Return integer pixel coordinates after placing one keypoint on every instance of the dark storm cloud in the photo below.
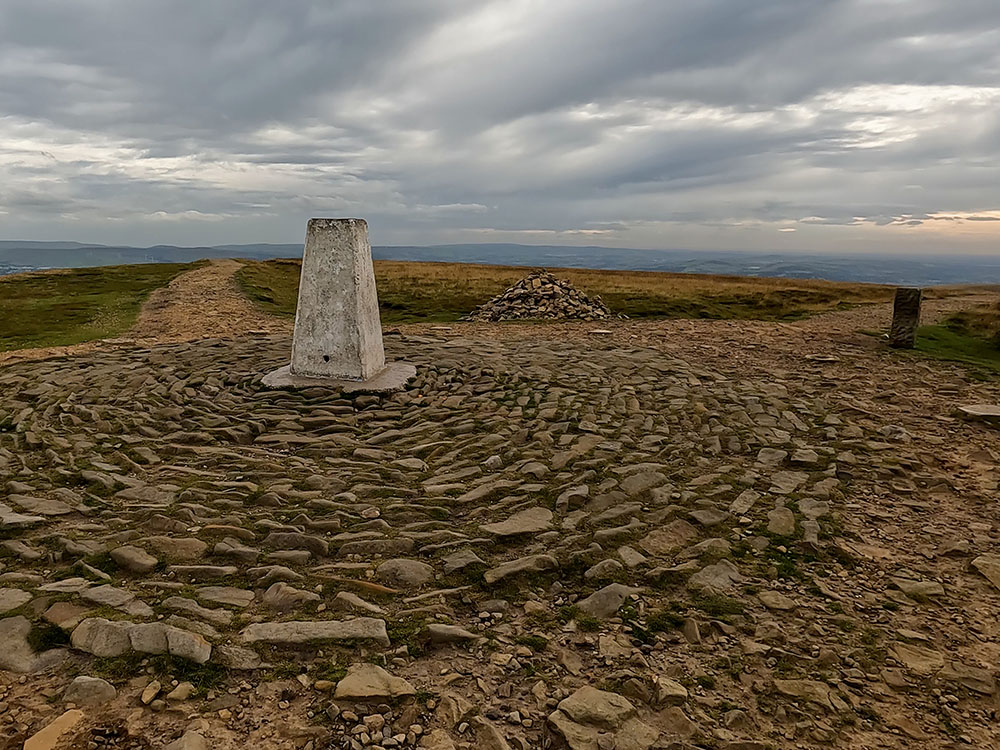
(651, 122)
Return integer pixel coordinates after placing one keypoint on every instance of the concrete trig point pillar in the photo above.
(338, 335)
(905, 317)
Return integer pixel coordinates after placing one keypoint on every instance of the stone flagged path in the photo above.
(585, 542)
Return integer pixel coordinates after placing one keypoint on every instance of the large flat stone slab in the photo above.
(529, 564)
(527, 521)
(982, 412)
(989, 566)
(11, 518)
(371, 682)
(50, 735)
(16, 654)
(41, 506)
(11, 599)
(393, 377)
(318, 631)
(669, 538)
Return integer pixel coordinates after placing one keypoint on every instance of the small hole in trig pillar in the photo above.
(326, 357)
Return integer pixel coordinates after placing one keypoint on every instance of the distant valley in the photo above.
(18, 256)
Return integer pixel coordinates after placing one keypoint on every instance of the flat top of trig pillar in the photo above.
(331, 222)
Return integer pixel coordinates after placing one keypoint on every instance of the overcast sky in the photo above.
(847, 125)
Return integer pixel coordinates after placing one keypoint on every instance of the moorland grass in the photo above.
(55, 308)
(946, 343)
(971, 337)
(444, 292)
(58, 308)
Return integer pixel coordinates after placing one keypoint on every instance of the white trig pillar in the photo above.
(338, 334)
(337, 329)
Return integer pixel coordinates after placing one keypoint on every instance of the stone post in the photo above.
(905, 317)
(338, 335)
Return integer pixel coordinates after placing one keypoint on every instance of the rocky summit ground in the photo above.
(653, 535)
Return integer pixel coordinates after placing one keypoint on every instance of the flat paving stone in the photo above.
(298, 632)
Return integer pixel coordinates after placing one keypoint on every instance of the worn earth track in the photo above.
(202, 303)
(684, 534)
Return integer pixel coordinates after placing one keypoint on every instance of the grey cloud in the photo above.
(447, 119)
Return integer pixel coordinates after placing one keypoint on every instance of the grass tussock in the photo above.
(982, 322)
(444, 292)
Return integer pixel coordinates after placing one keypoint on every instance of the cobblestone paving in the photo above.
(539, 543)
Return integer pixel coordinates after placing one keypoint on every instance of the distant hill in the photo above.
(78, 255)
(919, 270)
(29, 245)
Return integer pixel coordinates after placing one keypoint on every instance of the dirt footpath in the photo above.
(203, 303)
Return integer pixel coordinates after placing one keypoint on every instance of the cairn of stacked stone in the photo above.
(541, 296)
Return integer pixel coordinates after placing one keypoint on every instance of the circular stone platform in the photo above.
(568, 503)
